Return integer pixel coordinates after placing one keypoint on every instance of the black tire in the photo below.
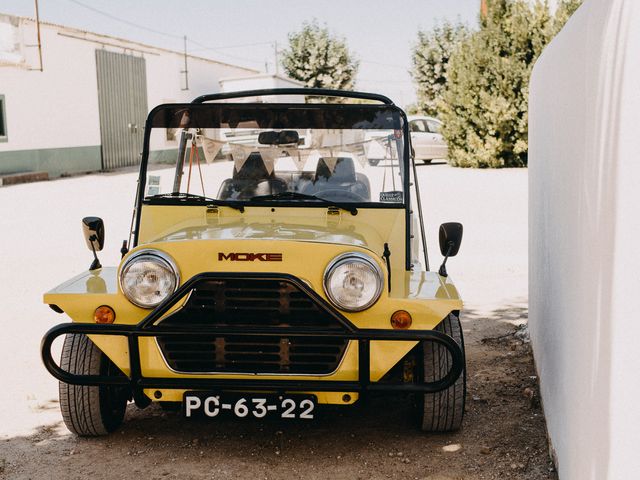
(442, 411)
(427, 161)
(374, 162)
(90, 411)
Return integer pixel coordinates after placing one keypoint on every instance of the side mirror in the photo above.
(450, 240)
(93, 229)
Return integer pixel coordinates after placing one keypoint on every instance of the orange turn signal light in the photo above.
(401, 319)
(104, 314)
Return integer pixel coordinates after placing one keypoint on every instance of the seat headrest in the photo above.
(343, 171)
(253, 169)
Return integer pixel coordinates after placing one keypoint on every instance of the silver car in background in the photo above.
(426, 139)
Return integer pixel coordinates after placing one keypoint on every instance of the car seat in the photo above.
(341, 177)
(251, 180)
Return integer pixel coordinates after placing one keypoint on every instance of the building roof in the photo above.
(128, 43)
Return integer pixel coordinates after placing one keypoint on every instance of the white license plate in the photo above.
(203, 404)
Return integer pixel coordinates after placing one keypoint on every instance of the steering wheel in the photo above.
(337, 195)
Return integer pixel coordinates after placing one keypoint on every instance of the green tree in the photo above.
(485, 104)
(430, 57)
(319, 59)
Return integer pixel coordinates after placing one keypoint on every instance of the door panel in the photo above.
(122, 100)
(439, 146)
(420, 139)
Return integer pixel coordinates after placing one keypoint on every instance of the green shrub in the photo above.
(484, 107)
(479, 82)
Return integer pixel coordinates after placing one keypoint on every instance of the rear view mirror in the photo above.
(93, 229)
(284, 137)
(450, 238)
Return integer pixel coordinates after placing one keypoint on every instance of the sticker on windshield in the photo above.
(393, 196)
(153, 185)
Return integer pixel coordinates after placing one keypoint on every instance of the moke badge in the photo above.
(250, 257)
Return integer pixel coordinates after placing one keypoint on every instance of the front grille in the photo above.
(242, 303)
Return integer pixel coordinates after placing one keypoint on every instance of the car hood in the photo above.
(350, 233)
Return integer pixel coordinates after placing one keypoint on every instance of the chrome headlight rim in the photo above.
(346, 258)
(156, 255)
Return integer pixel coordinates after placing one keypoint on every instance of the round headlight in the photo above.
(148, 277)
(353, 281)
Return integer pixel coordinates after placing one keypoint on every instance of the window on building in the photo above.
(3, 120)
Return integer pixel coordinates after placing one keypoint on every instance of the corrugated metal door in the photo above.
(122, 97)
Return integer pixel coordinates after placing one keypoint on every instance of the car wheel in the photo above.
(442, 411)
(427, 161)
(90, 411)
(374, 161)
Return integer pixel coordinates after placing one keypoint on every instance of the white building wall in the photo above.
(584, 227)
(58, 107)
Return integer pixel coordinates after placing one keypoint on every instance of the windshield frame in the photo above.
(386, 104)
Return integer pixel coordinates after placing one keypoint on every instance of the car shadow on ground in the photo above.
(419, 163)
(432, 163)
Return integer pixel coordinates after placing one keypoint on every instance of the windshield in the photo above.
(257, 154)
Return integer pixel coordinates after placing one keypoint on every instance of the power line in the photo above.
(234, 46)
(166, 34)
(126, 22)
(205, 47)
(383, 81)
(403, 67)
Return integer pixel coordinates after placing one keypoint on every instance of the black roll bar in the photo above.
(309, 92)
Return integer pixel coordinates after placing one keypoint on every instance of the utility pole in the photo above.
(275, 54)
(186, 70)
(39, 42)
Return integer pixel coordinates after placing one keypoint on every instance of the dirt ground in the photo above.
(503, 434)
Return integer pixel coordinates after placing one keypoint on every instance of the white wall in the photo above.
(584, 231)
(58, 107)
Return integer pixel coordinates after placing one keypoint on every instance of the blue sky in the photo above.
(379, 33)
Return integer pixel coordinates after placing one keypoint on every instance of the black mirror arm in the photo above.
(443, 267)
(96, 263)
(387, 256)
(124, 249)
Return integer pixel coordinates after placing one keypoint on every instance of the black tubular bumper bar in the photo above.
(148, 327)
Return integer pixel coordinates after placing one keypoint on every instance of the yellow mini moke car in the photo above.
(272, 267)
